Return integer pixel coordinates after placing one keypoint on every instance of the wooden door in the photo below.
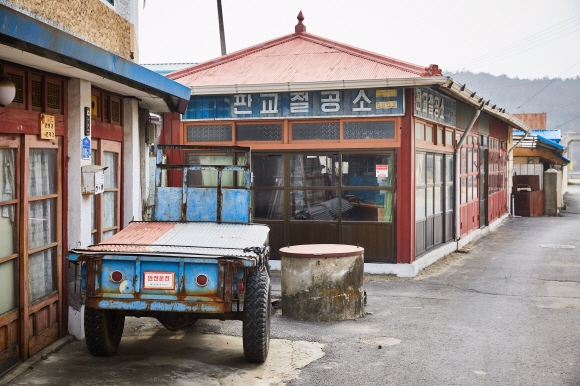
(10, 320)
(41, 243)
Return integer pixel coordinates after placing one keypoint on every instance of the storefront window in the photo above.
(314, 170)
(367, 170)
(321, 205)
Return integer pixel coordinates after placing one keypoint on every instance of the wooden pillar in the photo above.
(405, 231)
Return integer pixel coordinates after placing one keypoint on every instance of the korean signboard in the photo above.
(362, 102)
(434, 106)
(47, 126)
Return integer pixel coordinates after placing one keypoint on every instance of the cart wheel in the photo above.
(256, 330)
(103, 331)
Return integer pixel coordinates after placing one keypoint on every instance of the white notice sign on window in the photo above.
(382, 171)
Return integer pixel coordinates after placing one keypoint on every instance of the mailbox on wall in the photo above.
(93, 179)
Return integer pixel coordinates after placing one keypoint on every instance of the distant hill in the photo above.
(560, 98)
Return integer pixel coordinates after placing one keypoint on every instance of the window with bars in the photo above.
(115, 111)
(36, 93)
(53, 94)
(19, 84)
(209, 133)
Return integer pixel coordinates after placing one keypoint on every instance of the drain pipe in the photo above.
(458, 170)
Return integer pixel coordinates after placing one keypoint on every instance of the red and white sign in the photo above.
(382, 170)
(159, 280)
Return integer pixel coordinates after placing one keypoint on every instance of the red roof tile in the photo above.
(298, 57)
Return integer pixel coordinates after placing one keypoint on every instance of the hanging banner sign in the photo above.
(359, 102)
(434, 106)
(47, 126)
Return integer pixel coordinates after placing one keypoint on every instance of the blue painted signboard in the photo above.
(361, 102)
(86, 148)
(434, 106)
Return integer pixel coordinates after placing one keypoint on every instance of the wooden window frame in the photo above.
(25, 90)
(288, 144)
(60, 84)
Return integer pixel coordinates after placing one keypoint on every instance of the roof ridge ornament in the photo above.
(432, 70)
(300, 27)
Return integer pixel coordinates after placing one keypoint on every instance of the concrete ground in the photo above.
(506, 311)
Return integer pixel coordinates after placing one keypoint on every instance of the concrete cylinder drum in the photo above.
(322, 282)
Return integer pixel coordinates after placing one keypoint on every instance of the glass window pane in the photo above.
(420, 169)
(93, 209)
(109, 209)
(449, 198)
(41, 274)
(469, 188)
(316, 131)
(420, 131)
(7, 286)
(259, 132)
(429, 134)
(363, 169)
(41, 223)
(110, 161)
(322, 205)
(314, 170)
(438, 169)
(463, 160)
(419, 204)
(268, 204)
(438, 199)
(429, 197)
(42, 172)
(210, 177)
(367, 205)
(439, 136)
(469, 160)
(448, 138)
(108, 234)
(7, 174)
(268, 169)
(430, 169)
(369, 130)
(475, 160)
(449, 168)
(8, 233)
(463, 190)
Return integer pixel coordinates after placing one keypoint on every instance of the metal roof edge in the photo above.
(369, 55)
(458, 90)
(28, 34)
(550, 142)
(318, 86)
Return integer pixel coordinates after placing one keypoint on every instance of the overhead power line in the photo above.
(557, 127)
(534, 39)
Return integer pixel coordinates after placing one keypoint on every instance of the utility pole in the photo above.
(221, 21)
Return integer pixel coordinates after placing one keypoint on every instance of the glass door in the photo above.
(9, 260)
(41, 244)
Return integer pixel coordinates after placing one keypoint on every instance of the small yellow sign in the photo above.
(386, 93)
(47, 126)
(387, 105)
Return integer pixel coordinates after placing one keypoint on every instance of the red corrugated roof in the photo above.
(298, 57)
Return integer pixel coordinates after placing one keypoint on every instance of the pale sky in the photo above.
(519, 38)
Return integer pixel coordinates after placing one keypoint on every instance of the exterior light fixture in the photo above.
(7, 89)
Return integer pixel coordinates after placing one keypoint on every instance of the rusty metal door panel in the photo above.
(201, 204)
(235, 205)
(169, 204)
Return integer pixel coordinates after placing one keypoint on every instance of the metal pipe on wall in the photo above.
(458, 170)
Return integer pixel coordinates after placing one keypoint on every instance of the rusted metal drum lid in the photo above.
(321, 250)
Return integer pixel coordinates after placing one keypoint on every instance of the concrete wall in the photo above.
(109, 27)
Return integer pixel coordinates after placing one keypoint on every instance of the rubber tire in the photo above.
(256, 325)
(103, 331)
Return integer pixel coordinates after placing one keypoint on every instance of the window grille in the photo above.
(369, 130)
(209, 133)
(36, 93)
(316, 131)
(259, 132)
(53, 96)
(17, 79)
